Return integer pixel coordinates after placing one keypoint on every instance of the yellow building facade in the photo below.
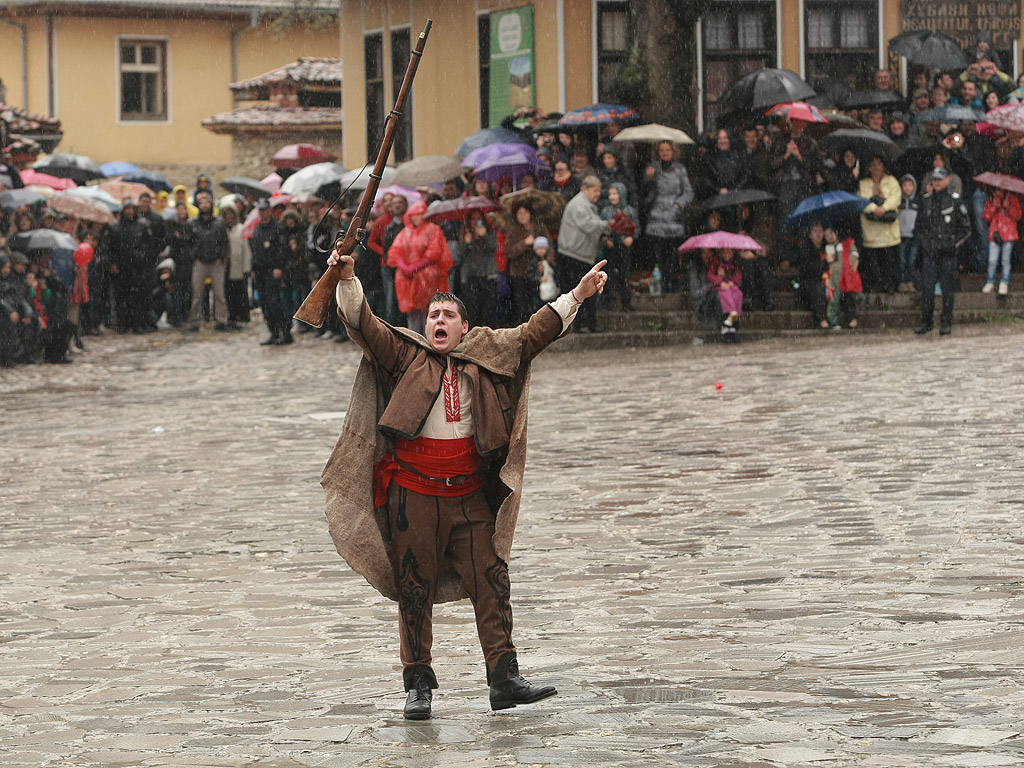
(579, 44)
(133, 81)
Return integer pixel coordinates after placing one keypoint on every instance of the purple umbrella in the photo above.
(512, 166)
(496, 152)
(720, 239)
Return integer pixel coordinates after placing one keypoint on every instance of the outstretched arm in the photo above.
(591, 283)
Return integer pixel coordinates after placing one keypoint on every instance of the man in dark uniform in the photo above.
(942, 226)
(269, 249)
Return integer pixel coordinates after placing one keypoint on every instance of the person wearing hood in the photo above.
(421, 260)
(1003, 213)
(423, 487)
(623, 232)
(179, 195)
(269, 261)
(19, 331)
(909, 246)
(129, 245)
(209, 247)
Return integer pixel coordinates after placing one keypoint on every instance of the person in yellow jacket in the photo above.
(879, 259)
(180, 195)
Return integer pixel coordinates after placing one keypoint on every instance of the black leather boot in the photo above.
(419, 680)
(509, 688)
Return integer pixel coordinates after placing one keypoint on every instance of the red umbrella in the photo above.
(28, 176)
(797, 110)
(300, 155)
(721, 239)
(458, 209)
(1009, 116)
(1002, 181)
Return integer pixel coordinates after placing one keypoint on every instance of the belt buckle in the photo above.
(450, 481)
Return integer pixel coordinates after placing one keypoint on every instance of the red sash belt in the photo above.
(429, 466)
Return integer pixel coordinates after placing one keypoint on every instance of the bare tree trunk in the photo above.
(659, 78)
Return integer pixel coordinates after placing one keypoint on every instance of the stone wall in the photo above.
(251, 155)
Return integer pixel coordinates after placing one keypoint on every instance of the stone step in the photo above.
(788, 300)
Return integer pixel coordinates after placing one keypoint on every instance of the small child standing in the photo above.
(548, 288)
(842, 281)
(907, 215)
(1002, 212)
(725, 277)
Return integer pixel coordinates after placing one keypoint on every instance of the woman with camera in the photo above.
(880, 227)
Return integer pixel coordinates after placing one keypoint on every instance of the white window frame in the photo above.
(123, 39)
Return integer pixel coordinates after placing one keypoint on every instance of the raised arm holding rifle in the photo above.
(424, 485)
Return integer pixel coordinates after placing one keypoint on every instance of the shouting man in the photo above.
(423, 488)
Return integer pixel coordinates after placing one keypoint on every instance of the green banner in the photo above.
(513, 82)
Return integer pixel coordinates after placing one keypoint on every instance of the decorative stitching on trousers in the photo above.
(497, 577)
(413, 592)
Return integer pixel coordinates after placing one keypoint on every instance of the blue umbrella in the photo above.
(827, 207)
(486, 136)
(155, 181)
(15, 198)
(118, 168)
(952, 113)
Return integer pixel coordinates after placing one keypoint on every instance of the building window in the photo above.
(483, 55)
(374, 61)
(143, 74)
(401, 51)
(612, 45)
(842, 41)
(738, 38)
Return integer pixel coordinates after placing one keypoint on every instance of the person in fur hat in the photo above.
(424, 484)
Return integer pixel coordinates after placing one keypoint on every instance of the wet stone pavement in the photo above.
(819, 564)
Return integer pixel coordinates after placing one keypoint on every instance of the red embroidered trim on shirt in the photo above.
(452, 404)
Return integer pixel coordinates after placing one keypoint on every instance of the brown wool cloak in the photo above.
(360, 532)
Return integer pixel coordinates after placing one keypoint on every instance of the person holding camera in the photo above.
(942, 226)
(881, 228)
(986, 77)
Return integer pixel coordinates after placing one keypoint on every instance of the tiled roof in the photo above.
(198, 6)
(23, 121)
(308, 69)
(269, 115)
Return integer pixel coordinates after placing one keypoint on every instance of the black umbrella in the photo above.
(951, 113)
(242, 184)
(764, 88)
(66, 165)
(864, 143)
(929, 49)
(887, 101)
(736, 197)
(44, 240)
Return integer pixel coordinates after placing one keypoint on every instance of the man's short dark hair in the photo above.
(448, 296)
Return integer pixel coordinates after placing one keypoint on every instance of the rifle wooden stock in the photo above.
(314, 309)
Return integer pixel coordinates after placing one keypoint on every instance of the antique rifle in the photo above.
(314, 309)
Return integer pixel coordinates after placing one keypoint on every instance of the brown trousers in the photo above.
(425, 531)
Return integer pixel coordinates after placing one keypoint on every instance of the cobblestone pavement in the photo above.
(819, 564)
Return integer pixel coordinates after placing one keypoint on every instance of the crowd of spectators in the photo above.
(175, 260)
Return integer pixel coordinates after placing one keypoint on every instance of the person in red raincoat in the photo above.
(1002, 212)
(421, 260)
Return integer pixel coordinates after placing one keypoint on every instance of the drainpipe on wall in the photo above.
(254, 19)
(24, 59)
(51, 73)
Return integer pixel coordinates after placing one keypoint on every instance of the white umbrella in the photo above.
(429, 169)
(652, 132)
(361, 179)
(95, 193)
(312, 177)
